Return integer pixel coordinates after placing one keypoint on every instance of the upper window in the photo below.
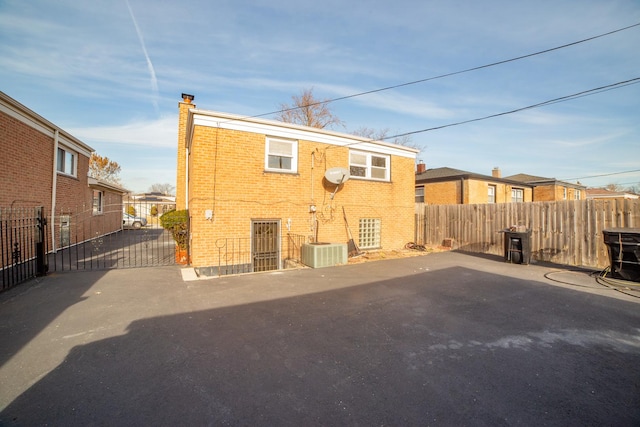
(564, 193)
(491, 194)
(281, 155)
(578, 194)
(419, 194)
(66, 162)
(369, 165)
(98, 202)
(517, 195)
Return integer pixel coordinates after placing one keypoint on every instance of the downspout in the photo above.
(462, 190)
(186, 178)
(54, 188)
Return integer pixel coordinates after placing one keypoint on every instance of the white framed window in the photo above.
(419, 194)
(564, 193)
(369, 233)
(369, 165)
(578, 194)
(98, 202)
(281, 155)
(66, 162)
(517, 195)
(491, 194)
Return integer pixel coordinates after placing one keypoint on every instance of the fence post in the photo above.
(41, 253)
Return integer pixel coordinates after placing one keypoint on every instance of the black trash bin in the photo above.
(624, 252)
(517, 246)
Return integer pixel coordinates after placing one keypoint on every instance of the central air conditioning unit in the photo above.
(316, 255)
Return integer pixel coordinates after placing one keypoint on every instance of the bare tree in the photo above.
(306, 110)
(614, 187)
(104, 169)
(383, 135)
(166, 189)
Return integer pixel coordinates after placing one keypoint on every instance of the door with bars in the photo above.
(265, 244)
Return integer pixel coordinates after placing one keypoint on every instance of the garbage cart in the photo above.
(624, 252)
(517, 246)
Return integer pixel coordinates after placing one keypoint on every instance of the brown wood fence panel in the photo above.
(565, 232)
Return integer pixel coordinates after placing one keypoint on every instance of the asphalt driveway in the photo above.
(441, 339)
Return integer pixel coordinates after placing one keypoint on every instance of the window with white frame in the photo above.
(578, 195)
(369, 165)
(66, 162)
(98, 202)
(369, 233)
(281, 155)
(419, 194)
(491, 194)
(517, 195)
(564, 193)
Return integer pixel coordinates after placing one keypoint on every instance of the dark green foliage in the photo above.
(178, 223)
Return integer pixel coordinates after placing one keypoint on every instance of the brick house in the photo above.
(43, 165)
(242, 177)
(551, 189)
(448, 186)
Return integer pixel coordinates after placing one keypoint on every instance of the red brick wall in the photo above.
(27, 158)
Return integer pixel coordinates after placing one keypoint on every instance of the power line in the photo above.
(601, 175)
(540, 104)
(480, 67)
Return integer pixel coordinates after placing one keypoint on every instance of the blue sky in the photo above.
(112, 72)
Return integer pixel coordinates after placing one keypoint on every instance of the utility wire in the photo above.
(493, 64)
(540, 104)
(604, 174)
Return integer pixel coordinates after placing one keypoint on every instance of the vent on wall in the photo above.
(324, 254)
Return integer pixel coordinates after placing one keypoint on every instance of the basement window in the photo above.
(281, 155)
(369, 233)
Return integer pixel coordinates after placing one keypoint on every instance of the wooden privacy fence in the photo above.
(565, 232)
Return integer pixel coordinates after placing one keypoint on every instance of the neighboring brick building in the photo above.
(551, 189)
(246, 177)
(447, 186)
(43, 165)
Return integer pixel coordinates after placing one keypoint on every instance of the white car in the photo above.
(130, 221)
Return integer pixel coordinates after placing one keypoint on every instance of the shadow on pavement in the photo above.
(40, 300)
(444, 347)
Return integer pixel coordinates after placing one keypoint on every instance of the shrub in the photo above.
(178, 223)
(131, 210)
(154, 210)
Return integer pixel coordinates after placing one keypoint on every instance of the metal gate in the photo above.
(265, 245)
(22, 245)
(83, 241)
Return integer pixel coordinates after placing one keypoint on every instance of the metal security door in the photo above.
(265, 244)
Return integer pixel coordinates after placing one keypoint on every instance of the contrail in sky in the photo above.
(152, 71)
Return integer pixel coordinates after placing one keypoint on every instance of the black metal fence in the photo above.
(85, 241)
(22, 245)
(247, 255)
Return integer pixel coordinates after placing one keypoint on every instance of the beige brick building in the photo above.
(448, 186)
(551, 189)
(247, 179)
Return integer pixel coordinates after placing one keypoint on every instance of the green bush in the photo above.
(131, 210)
(154, 210)
(178, 223)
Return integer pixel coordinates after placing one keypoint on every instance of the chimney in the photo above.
(186, 98)
(421, 167)
(496, 172)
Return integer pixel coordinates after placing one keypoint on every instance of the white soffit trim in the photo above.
(252, 125)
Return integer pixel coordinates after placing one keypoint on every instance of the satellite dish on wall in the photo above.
(337, 175)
